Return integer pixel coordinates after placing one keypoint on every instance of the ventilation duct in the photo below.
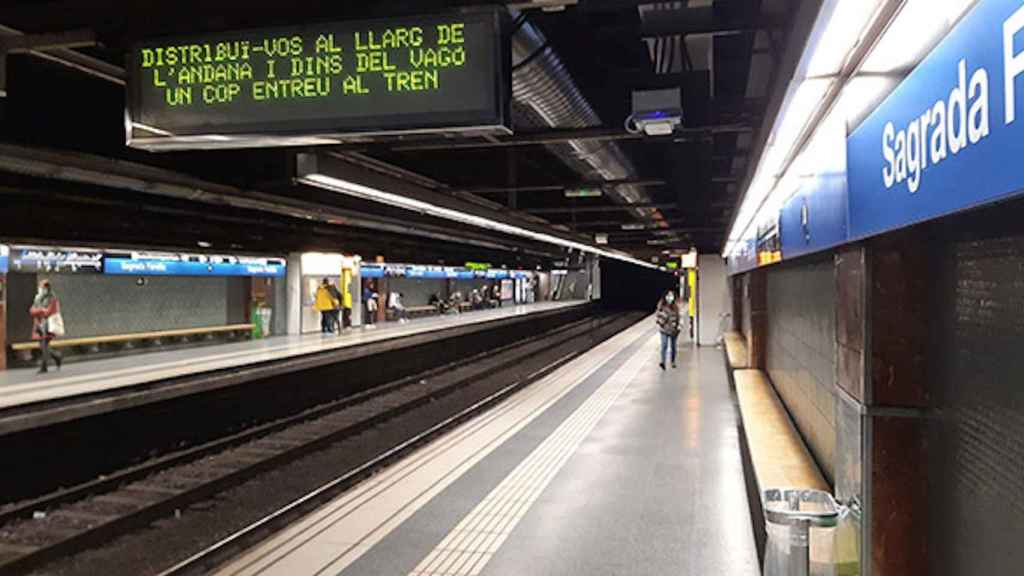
(544, 95)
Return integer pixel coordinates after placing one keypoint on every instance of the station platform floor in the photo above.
(609, 465)
(19, 387)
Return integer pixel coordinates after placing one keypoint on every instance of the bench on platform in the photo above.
(156, 336)
(774, 452)
(777, 452)
(425, 310)
(736, 350)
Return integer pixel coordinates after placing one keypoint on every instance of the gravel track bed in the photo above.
(167, 541)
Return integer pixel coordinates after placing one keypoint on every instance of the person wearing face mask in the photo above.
(668, 318)
(47, 323)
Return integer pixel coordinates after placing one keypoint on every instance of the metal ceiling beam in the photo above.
(21, 44)
(586, 209)
(72, 59)
(558, 135)
(120, 174)
(663, 234)
(661, 22)
(561, 187)
(702, 20)
(633, 247)
(617, 224)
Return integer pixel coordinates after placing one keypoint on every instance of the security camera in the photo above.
(656, 112)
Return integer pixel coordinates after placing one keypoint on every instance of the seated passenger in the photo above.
(456, 303)
(395, 304)
(437, 302)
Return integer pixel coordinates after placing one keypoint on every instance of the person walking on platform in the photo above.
(668, 321)
(47, 323)
(325, 304)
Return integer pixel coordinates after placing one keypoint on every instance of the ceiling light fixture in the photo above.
(909, 35)
(372, 194)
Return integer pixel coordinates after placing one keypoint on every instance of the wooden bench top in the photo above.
(68, 342)
(736, 350)
(781, 460)
(778, 453)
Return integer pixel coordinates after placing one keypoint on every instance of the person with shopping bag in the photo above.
(47, 324)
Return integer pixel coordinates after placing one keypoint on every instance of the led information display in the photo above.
(305, 84)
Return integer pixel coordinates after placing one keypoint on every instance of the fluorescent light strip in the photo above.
(365, 192)
(913, 32)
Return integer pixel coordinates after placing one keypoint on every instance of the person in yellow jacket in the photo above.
(326, 305)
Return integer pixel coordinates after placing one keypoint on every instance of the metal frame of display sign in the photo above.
(316, 83)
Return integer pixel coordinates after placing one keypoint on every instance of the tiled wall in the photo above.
(95, 305)
(801, 358)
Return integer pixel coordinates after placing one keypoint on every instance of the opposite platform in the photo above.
(23, 387)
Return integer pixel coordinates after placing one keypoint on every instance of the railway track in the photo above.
(39, 531)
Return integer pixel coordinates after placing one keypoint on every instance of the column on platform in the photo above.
(881, 385)
(293, 302)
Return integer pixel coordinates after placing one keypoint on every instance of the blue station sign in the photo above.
(951, 136)
(5, 256)
(435, 272)
(141, 267)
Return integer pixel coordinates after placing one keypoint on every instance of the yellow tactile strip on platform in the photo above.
(736, 349)
(779, 456)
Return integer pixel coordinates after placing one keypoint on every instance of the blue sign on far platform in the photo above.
(4, 263)
(951, 136)
(130, 267)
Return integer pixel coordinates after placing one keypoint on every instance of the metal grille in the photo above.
(977, 436)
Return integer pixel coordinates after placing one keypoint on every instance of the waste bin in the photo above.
(790, 516)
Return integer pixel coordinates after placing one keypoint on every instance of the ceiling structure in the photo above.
(574, 72)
